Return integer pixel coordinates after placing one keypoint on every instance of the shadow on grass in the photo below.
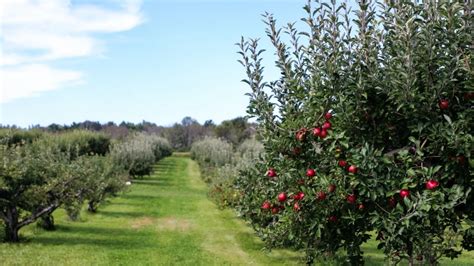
(94, 236)
(140, 198)
(120, 214)
(154, 182)
(250, 242)
(181, 154)
(65, 235)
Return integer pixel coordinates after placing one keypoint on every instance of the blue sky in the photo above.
(130, 60)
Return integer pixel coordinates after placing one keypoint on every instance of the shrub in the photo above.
(212, 152)
(83, 142)
(139, 153)
(160, 146)
(12, 137)
(379, 103)
(221, 173)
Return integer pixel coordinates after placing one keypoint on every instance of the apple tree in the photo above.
(368, 128)
(34, 181)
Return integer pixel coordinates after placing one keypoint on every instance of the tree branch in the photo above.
(38, 214)
(393, 152)
(382, 208)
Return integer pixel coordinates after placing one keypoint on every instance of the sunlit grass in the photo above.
(165, 219)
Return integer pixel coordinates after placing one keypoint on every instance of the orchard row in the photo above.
(40, 173)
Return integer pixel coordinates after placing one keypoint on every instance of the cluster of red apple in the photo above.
(322, 131)
(275, 208)
(321, 195)
(351, 169)
(404, 193)
(319, 131)
(430, 185)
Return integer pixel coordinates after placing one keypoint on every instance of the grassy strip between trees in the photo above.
(164, 219)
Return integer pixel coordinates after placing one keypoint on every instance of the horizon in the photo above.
(105, 123)
(133, 60)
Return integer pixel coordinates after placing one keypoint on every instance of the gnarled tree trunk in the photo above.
(11, 224)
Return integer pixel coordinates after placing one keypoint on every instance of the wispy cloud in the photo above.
(34, 33)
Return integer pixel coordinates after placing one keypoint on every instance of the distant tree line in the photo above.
(180, 135)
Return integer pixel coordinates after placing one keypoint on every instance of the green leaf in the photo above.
(447, 119)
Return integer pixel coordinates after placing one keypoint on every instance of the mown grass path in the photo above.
(165, 219)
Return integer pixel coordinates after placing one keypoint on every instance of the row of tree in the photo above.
(221, 163)
(41, 172)
(180, 135)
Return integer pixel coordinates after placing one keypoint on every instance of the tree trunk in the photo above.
(47, 222)
(11, 225)
(92, 207)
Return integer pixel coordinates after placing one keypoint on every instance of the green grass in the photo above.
(165, 219)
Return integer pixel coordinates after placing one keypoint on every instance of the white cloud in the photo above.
(31, 80)
(34, 33)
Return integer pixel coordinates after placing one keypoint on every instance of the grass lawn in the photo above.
(164, 219)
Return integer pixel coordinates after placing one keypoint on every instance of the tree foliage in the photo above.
(140, 152)
(378, 101)
(52, 171)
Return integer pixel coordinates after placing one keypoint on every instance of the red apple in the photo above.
(316, 131)
(352, 169)
(296, 206)
(404, 193)
(310, 172)
(328, 116)
(300, 195)
(275, 210)
(432, 184)
(327, 125)
(301, 134)
(331, 188)
(443, 104)
(323, 134)
(266, 205)
(321, 195)
(332, 218)
(282, 197)
(271, 172)
(361, 207)
(342, 163)
(351, 198)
